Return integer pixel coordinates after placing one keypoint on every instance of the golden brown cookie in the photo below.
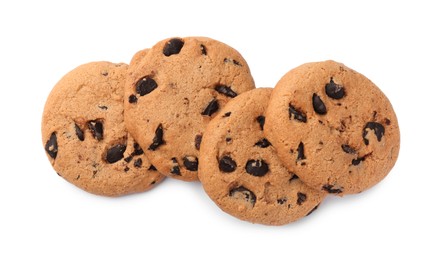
(84, 134)
(240, 171)
(333, 127)
(173, 93)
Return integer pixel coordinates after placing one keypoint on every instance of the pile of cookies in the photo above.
(188, 109)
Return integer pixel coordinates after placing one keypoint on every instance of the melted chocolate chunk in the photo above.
(330, 189)
(191, 163)
(300, 152)
(263, 143)
(175, 169)
(378, 129)
(133, 99)
(79, 132)
(96, 127)
(281, 200)
(145, 85)
(173, 46)
(333, 90)
(226, 164)
(225, 90)
(243, 193)
(51, 146)
(152, 168)
(257, 168)
(158, 139)
(115, 153)
(358, 160)
(347, 149)
(137, 150)
(301, 198)
(297, 114)
(227, 60)
(203, 49)
(227, 114)
(138, 162)
(212, 107)
(261, 120)
(197, 141)
(318, 105)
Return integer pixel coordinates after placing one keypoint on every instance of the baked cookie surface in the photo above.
(333, 127)
(173, 93)
(240, 171)
(84, 134)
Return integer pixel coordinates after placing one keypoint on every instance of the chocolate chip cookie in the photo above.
(333, 128)
(84, 134)
(173, 93)
(240, 171)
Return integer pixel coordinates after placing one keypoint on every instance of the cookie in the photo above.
(84, 134)
(174, 92)
(240, 171)
(333, 127)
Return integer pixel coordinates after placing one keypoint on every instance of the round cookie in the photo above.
(333, 127)
(84, 134)
(177, 88)
(240, 171)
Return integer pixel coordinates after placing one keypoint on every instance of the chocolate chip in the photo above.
(257, 168)
(227, 60)
(138, 162)
(300, 152)
(158, 139)
(212, 107)
(191, 163)
(103, 107)
(152, 168)
(225, 90)
(115, 153)
(311, 211)
(358, 160)
(301, 198)
(227, 114)
(281, 200)
(137, 150)
(96, 127)
(52, 146)
(226, 164)
(318, 105)
(203, 49)
(261, 120)
(175, 169)
(153, 182)
(298, 115)
(347, 149)
(263, 143)
(126, 169)
(228, 140)
(378, 129)
(293, 177)
(145, 85)
(173, 46)
(243, 193)
(128, 159)
(197, 141)
(79, 132)
(333, 90)
(133, 99)
(330, 189)
(387, 121)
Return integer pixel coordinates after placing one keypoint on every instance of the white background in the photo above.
(44, 217)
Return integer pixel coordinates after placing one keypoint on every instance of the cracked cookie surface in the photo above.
(333, 127)
(84, 134)
(240, 171)
(172, 93)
